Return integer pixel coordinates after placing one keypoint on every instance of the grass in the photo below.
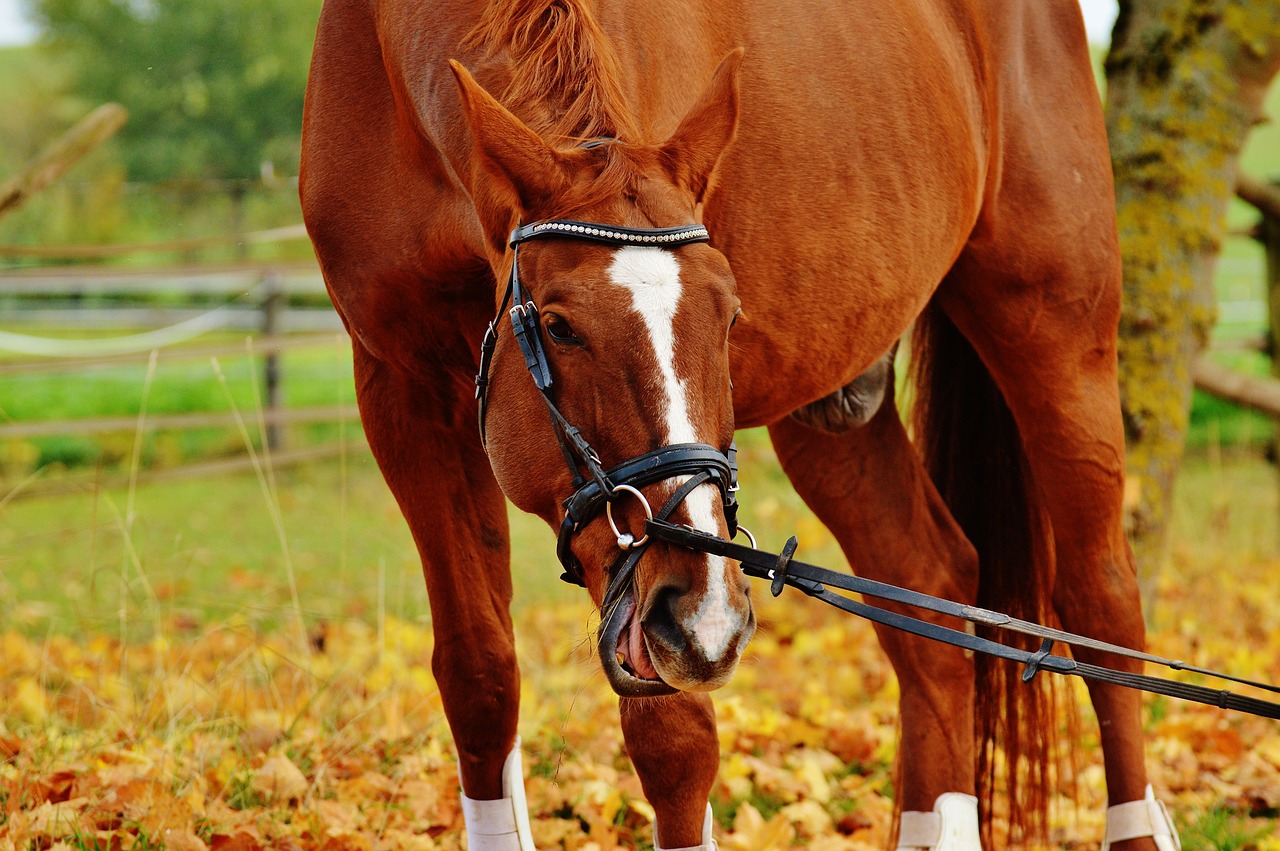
(207, 550)
(1221, 829)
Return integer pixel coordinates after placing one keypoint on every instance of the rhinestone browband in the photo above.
(614, 234)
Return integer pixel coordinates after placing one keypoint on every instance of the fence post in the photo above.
(1269, 236)
(272, 306)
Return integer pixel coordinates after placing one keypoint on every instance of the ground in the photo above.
(245, 663)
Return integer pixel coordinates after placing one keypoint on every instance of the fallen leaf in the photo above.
(183, 840)
(280, 779)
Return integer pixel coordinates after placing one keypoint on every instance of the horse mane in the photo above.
(564, 74)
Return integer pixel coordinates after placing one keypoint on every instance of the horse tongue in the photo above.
(637, 653)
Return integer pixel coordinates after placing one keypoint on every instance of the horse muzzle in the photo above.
(674, 642)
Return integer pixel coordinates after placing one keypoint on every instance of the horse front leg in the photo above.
(424, 437)
(673, 745)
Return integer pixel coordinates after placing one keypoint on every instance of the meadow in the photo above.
(244, 662)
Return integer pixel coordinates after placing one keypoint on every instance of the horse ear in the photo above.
(508, 155)
(695, 148)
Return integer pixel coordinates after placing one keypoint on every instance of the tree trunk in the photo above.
(1185, 82)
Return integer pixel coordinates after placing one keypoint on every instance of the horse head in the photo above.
(629, 349)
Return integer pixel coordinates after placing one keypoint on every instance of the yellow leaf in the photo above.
(808, 817)
(752, 833)
(811, 774)
(280, 779)
(32, 705)
(57, 821)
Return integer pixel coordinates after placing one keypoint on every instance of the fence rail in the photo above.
(172, 422)
(301, 276)
(173, 246)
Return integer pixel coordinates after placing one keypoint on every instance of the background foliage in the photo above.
(214, 89)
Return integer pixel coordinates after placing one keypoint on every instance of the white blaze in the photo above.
(652, 276)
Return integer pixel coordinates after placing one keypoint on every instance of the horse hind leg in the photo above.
(868, 487)
(1050, 348)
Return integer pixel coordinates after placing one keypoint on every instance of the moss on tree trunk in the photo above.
(1185, 82)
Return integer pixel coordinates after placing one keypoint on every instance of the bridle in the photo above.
(595, 488)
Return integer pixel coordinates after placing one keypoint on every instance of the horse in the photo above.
(695, 218)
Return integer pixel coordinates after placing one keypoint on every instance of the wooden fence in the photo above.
(1257, 393)
(281, 305)
(270, 299)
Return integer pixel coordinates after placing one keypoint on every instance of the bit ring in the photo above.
(626, 540)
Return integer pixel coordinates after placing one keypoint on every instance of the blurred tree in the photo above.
(1185, 83)
(34, 106)
(213, 89)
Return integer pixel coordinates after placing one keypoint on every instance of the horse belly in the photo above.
(851, 189)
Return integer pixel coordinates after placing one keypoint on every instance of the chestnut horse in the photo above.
(859, 168)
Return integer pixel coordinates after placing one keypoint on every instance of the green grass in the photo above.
(207, 550)
(312, 377)
(1221, 829)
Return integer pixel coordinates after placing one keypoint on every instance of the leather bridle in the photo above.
(595, 488)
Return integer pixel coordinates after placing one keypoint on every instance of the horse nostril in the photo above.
(661, 622)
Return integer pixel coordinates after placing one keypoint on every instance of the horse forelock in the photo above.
(564, 73)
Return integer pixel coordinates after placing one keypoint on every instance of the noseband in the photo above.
(597, 489)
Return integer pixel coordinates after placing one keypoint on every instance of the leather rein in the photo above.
(597, 489)
(781, 570)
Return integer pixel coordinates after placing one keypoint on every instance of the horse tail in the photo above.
(972, 448)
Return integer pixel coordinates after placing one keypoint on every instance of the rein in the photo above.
(781, 570)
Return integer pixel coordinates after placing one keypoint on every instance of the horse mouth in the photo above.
(624, 656)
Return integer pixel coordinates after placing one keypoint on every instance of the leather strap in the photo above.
(678, 459)
(610, 234)
(812, 580)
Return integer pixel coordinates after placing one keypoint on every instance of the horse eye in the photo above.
(734, 320)
(560, 330)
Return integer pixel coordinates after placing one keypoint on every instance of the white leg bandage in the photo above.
(501, 825)
(708, 841)
(952, 826)
(1137, 819)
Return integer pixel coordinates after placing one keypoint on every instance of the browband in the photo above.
(610, 234)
